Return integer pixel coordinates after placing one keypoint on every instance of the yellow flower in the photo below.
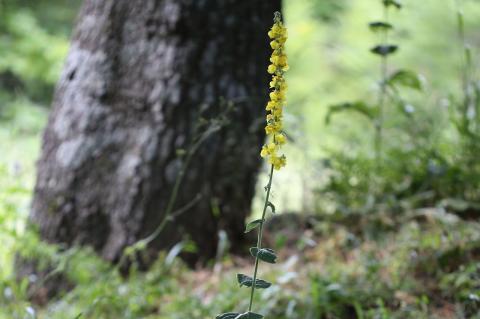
(276, 29)
(274, 45)
(274, 108)
(271, 105)
(278, 112)
(278, 162)
(281, 60)
(277, 95)
(272, 68)
(264, 152)
(280, 139)
(271, 147)
(281, 40)
(269, 129)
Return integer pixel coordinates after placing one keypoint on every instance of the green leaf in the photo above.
(384, 50)
(247, 281)
(228, 315)
(252, 225)
(380, 26)
(394, 3)
(405, 78)
(249, 315)
(272, 207)
(264, 254)
(359, 107)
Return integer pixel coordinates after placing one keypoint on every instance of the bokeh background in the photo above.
(356, 241)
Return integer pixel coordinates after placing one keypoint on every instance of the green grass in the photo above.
(19, 138)
(410, 273)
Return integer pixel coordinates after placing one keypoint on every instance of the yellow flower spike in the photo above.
(274, 108)
(275, 136)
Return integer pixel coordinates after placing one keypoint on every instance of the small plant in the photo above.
(275, 139)
(388, 83)
(362, 181)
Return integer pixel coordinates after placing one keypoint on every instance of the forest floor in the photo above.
(425, 264)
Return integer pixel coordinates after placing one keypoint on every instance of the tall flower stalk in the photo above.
(270, 151)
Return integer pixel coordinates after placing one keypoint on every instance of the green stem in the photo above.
(381, 98)
(381, 104)
(169, 213)
(171, 202)
(259, 239)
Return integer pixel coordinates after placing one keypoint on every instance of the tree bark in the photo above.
(139, 75)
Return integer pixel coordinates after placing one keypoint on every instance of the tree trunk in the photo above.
(138, 77)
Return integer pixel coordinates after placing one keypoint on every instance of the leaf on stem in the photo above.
(394, 3)
(359, 107)
(380, 26)
(384, 49)
(228, 315)
(247, 281)
(252, 225)
(264, 254)
(249, 315)
(405, 78)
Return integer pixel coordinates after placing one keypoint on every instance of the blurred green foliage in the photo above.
(400, 241)
(33, 43)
